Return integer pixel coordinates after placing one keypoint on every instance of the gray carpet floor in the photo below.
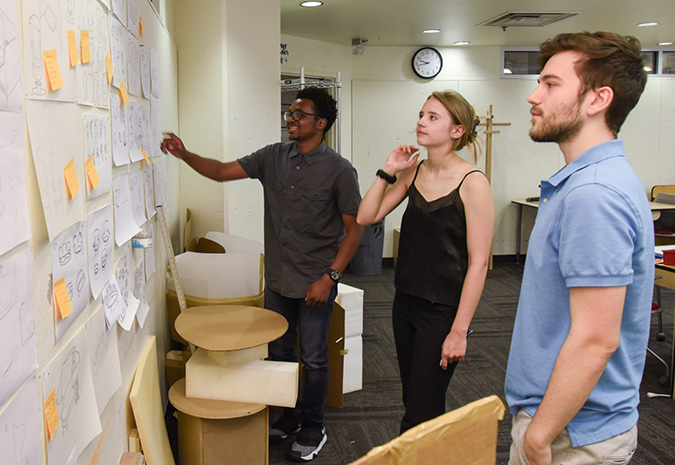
(371, 416)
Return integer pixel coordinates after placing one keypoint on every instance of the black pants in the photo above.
(420, 327)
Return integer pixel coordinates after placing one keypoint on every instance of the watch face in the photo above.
(427, 62)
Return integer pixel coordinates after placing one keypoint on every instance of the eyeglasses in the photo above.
(298, 114)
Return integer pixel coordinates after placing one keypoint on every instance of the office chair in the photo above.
(660, 335)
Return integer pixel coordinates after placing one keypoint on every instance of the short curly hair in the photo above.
(609, 59)
(324, 104)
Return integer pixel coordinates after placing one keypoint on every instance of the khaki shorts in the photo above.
(617, 450)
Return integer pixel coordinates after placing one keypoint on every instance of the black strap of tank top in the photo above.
(460, 182)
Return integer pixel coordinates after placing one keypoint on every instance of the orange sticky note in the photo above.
(51, 414)
(72, 48)
(72, 183)
(85, 49)
(145, 155)
(62, 298)
(92, 174)
(108, 67)
(140, 26)
(123, 93)
(53, 70)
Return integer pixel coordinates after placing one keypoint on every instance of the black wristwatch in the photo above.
(334, 275)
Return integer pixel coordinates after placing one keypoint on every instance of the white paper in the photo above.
(20, 429)
(105, 362)
(10, 75)
(124, 278)
(91, 78)
(52, 127)
(113, 303)
(149, 252)
(18, 354)
(13, 201)
(137, 196)
(149, 190)
(139, 293)
(45, 26)
(69, 373)
(72, 458)
(120, 139)
(119, 7)
(161, 175)
(118, 50)
(69, 261)
(97, 143)
(156, 126)
(100, 248)
(154, 73)
(125, 226)
(139, 130)
(133, 63)
(132, 17)
(145, 71)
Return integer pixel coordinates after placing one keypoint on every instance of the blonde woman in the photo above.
(444, 248)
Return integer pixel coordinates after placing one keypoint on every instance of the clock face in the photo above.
(427, 62)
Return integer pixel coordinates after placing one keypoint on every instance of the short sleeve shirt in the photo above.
(305, 196)
(593, 229)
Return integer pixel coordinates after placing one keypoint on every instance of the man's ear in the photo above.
(321, 123)
(601, 99)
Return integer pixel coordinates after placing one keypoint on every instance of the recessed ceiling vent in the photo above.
(512, 19)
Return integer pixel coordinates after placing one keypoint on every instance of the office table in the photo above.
(656, 208)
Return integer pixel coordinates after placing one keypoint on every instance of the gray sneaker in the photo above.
(309, 442)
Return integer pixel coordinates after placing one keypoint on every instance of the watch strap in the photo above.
(390, 178)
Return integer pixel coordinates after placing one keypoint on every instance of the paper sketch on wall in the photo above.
(100, 248)
(118, 51)
(133, 83)
(14, 222)
(139, 293)
(125, 226)
(52, 127)
(149, 252)
(119, 7)
(132, 17)
(124, 278)
(91, 78)
(97, 144)
(69, 374)
(20, 429)
(10, 58)
(120, 138)
(18, 353)
(156, 126)
(69, 261)
(145, 71)
(45, 23)
(105, 363)
(161, 174)
(139, 130)
(136, 195)
(149, 190)
(154, 73)
(113, 303)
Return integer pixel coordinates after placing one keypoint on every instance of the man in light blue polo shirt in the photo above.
(578, 348)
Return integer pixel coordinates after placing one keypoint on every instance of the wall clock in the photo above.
(427, 62)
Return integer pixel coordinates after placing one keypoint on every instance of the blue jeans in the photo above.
(312, 322)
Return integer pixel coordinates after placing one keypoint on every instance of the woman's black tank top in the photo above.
(432, 255)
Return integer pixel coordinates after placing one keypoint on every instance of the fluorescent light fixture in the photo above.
(431, 31)
(665, 43)
(648, 24)
(311, 4)
(507, 71)
(462, 42)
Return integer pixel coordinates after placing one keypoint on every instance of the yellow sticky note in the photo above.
(51, 414)
(62, 298)
(72, 183)
(85, 48)
(92, 174)
(145, 155)
(140, 26)
(72, 48)
(123, 93)
(53, 71)
(108, 67)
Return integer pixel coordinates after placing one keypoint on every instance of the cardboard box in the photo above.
(174, 364)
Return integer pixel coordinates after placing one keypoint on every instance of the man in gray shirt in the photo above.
(311, 200)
